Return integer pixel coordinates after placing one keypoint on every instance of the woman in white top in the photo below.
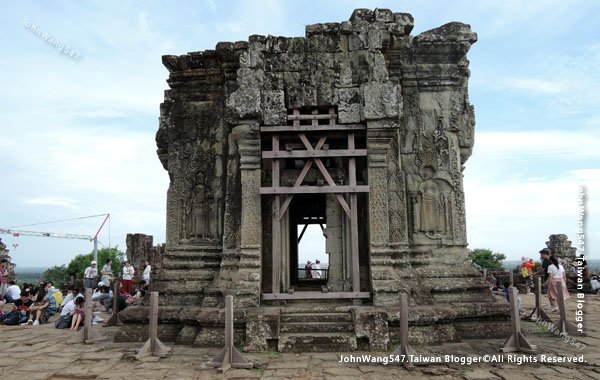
(146, 274)
(128, 272)
(556, 275)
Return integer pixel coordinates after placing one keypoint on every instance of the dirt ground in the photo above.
(42, 352)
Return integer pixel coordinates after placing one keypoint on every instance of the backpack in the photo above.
(58, 297)
(63, 322)
(12, 319)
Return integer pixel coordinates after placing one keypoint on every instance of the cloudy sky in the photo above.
(78, 133)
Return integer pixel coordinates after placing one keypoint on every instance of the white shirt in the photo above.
(90, 272)
(69, 307)
(146, 274)
(595, 284)
(128, 272)
(316, 272)
(14, 291)
(556, 273)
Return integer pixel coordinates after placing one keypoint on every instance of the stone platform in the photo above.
(41, 352)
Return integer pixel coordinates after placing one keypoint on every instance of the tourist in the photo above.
(316, 269)
(66, 315)
(544, 255)
(107, 274)
(143, 287)
(13, 292)
(594, 285)
(3, 275)
(308, 269)
(491, 281)
(73, 293)
(146, 273)
(581, 263)
(20, 311)
(41, 307)
(128, 272)
(89, 275)
(102, 297)
(78, 313)
(557, 276)
(527, 272)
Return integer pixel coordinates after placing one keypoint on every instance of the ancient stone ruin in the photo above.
(357, 127)
(560, 246)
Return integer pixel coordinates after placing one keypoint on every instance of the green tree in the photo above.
(486, 258)
(58, 275)
(77, 266)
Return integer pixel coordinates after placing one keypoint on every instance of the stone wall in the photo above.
(411, 94)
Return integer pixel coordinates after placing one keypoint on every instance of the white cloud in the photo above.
(515, 200)
(533, 85)
(52, 202)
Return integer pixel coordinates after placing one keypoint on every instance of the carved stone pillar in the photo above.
(248, 284)
(334, 243)
(241, 267)
(385, 286)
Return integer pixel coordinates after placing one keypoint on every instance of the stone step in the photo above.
(185, 275)
(317, 342)
(316, 327)
(316, 308)
(188, 264)
(315, 317)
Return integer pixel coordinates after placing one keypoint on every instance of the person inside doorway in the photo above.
(308, 269)
(316, 269)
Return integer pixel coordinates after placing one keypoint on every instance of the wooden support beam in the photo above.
(314, 295)
(517, 341)
(563, 325)
(301, 234)
(300, 178)
(312, 128)
(153, 346)
(538, 313)
(276, 246)
(87, 334)
(229, 357)
(315, 190)
(331, 183)
(312, 117)
(114, 319)
(354, 242)
(405, 350)
(284, 154)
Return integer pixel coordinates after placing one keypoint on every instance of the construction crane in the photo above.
(17, 233)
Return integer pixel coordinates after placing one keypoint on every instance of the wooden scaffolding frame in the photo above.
(313, 155)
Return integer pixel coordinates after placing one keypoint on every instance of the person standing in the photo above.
(107, 273)
(544, 255)
(316, 269)
(3, 276)
(89, 275)
(128, 272)
(308, 269)
(557, 276)
(13, 292)
(146, 274)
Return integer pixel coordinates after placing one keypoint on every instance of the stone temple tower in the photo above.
(358, 127)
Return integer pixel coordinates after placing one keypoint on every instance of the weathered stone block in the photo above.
(382, 14)
(348, 104)
(362, 14)
(380, 100)
(405, 23)
(273, 107)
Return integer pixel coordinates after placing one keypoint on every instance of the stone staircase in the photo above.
(316, 329)
(186, 275)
